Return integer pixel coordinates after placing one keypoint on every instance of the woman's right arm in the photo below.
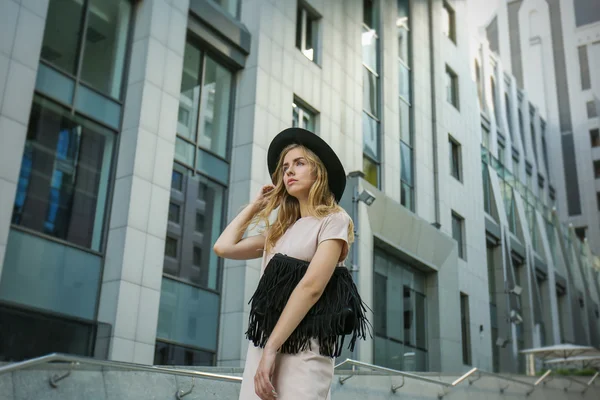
(231, 245)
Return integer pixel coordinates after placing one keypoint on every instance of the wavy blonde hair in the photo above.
(321, 202)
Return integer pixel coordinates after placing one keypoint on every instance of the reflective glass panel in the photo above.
(51, 276)
(61, 37)
(54, 84)
(405, 133)
(406, 163)
(214, 108)
(404, 81)
(370, 137)
(371, 171)
(106, 45)
(188, 315)
(370, 92)
(189, 98)
(369, 42)
(172, 354)
(65, 171)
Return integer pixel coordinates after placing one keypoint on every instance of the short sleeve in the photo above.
(335, 226)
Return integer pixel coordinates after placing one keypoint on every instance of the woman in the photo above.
(294, 349)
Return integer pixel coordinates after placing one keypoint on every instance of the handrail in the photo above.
(446, 386)
(77, 360)
(393, 371)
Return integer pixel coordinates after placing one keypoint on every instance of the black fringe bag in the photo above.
(338, 312)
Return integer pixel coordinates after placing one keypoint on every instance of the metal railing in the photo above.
(446, 386)
(76, 361)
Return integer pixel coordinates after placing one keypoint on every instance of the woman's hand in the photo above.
(262, 380)
(260, 200)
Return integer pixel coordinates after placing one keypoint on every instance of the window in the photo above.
(465, 324)
(371, 92)
(455, 158)
(177, 181)
(597, 169)
(458, 234)
(584, 67)
(497, 113)
(65, 170)
(171, 354)
(487, 190)
(508, 115)
(451, 87)
(515, 168)
(581, 232)
(479, 84)
(485, 137)
(449, 22)
(171, 247)
(592, 111)
(174, 210)
(533, 142)
(204, 110)
(303, 117)
(89, 40)
(501, 153)
(405, 100)
(400, 314)
(521, 131)
(307, 32)
(199, 222)
(598, 200)
(595, 137)
(232, 7)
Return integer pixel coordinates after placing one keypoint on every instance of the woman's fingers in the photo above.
(263, 387)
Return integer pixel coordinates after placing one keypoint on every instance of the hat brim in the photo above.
(333, 165)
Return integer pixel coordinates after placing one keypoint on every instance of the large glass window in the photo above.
(405, 100)
(400, 319)
(189, 304)
(64, 176)
(371, 92)
(455, 158)
(96, 31)
(204, 104)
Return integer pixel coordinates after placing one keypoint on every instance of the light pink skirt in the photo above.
(303, 376)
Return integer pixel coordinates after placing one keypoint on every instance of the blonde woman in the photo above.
(305, 303)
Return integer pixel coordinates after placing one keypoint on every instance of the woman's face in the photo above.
(298, 177)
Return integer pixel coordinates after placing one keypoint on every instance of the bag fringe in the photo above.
(339, 311)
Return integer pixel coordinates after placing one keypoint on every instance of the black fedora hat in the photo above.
(335, 170)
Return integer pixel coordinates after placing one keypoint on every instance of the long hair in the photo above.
(321, 201)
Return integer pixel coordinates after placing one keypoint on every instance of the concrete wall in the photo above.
(123, 385)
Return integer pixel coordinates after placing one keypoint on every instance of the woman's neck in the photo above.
(304, 209)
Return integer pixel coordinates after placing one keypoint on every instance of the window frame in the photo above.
(594, 137)
(452, 77)
(462, 245)
(465, 320)
(306, 14)
(448, 10)
(304, 109)
(455, 163)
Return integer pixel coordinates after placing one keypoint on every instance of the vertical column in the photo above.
(21, 34)
(134, 255)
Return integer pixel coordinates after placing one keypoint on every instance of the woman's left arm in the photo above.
(303, 297)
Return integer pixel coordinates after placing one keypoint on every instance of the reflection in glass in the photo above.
(61, 37)
(404, 81)
(180, 302)
(189, 98)
(303, 118)
(369, 42)
(370, 137)
(172, 354)
(212, 166)
(48, 275)
(106, 45)
(231, 6)
(214, 108)
(371, 171)
(400, 314)
(405, 133)
(406, 196)
(64, 176)
(406, 163)
(370, 92)
(184, 152)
